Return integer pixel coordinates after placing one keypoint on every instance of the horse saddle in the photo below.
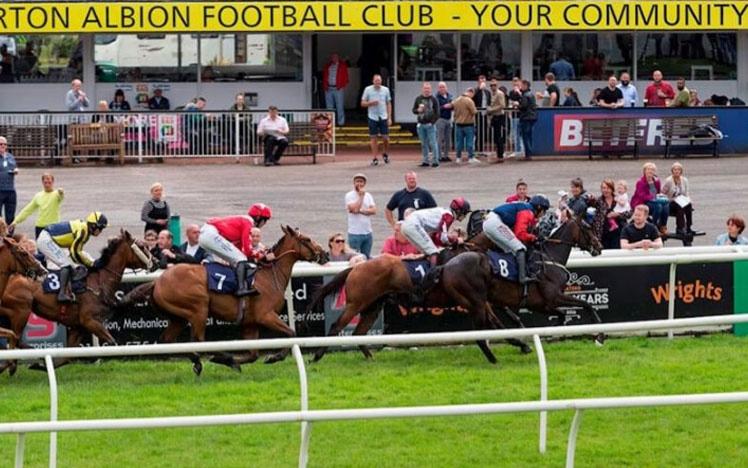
(51, 282)
(417, 269)
(504, 265)
(222, 278)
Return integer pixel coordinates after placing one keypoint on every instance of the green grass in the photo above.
(712, 435)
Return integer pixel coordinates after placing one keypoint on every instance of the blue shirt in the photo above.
(562, 70)
(508, 212)
(630, 96)
(444, 113)
(7, 173)
(332, 74)
(378, 112)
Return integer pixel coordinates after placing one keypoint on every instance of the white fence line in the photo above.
(306, 416)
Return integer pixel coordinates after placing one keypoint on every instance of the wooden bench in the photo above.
(604, 135)
(89, 139)
(33, 143)
(304, 140)
(680, 129)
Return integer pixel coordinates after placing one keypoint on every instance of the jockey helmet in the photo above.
(460, 206)
(540, 202)
(97, 220)
(260, 211)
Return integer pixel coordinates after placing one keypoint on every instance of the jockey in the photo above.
(230, 239)
(508, 226)
(429, 229)
(71, 235)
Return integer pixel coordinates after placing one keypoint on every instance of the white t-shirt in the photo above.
(272, 127)
(359, 223)
(192, 249)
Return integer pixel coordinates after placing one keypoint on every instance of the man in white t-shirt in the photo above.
(360, 206)
(274, 129)
(377, 101)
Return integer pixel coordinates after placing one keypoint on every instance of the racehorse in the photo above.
(15, 259)
(182, 294)
(88, 313)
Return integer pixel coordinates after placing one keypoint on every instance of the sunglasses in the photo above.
(338, 241)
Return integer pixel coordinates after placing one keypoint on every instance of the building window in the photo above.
(40, 59)
(426, 57)
(694, 56)
(251, 57)
(493, 55)
(145, 57)
(591, 57)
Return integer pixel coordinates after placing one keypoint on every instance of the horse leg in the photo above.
(17, 324)
(74, 339)
(569, 301)
(524, 348)
(273, 322)
(198, 334)
(367, 319)
(350, 311)
(249, 332)
(170, 334)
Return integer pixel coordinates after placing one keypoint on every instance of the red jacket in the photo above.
(653, 100)
(441, 236)
(237, 230)
(341, 77)
(525, 221)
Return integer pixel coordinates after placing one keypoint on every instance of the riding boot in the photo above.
(524, 278)
(63, 296)
(243, 270)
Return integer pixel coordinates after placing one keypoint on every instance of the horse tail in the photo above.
(139, 294)
(336, 283)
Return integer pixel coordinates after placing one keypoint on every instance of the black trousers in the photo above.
(274, 148)
(8, 205)
(498, 124)
(683, 216)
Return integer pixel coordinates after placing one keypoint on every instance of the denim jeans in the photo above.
(427, 135)
(516, 137)
(8, 205)
(335, 99)
(361, 243)
(658, 211)
(443, 137)
(525, 129)
(464, 139)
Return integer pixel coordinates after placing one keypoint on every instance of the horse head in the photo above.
(583, 234)
(19, 260)
(303, 246)
(130, 253)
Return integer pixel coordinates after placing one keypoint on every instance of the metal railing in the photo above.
(178, 134)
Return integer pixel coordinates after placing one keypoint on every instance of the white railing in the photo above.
(306, 416)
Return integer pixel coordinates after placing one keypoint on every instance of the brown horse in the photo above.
(15, 259)
(182, 294)
(5, 333)
(88, 313)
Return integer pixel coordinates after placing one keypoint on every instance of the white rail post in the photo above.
(306, 427)
(20, 448)
(52, 409)
(140, 137)
(289, 305)
(237, 137)
(543, 435)
(571, 446)
(671, 298)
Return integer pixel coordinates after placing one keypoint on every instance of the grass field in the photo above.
(713, 435)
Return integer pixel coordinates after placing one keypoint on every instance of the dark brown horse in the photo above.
(88, 313)
(15, 259)
(182, 294)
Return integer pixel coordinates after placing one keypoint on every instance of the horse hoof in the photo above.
(525, 350)
(12, 370)
(273, 358)
(38, 366)
(236, 367)
(600, 340)
(197, 369)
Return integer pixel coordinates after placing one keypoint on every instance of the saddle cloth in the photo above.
(503, 265)
(222, 278)
(417, 269)
(51, 282)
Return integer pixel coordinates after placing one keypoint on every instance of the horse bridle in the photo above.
(146, 259)
(574, 244)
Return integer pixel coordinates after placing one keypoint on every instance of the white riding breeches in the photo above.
(212, 241)
(501, 234)
(418, 236)
(53, 252)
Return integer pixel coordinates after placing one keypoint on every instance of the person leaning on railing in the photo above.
(735, 227)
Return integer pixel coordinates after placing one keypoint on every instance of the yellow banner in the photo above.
(279, 16)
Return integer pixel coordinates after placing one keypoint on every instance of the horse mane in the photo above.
(108, 252)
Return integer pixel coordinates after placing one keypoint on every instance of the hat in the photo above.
(360, 175)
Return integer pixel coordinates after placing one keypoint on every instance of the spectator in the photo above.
(595, 97)
(610, 97)
(47, 202)
(360, 206)
(647, 192)
(426, 109)
(579, 199)
(482, 99)
(7, 182)
(158, 101)
(340, 252)
(334, 82)
(119, 103)
(630, 95)
(75, 99)
(465, 112)
(498, 120)
(571, 98)
(192, 247)
(640, 234)
(7, 61)
(622, 198)
(155, 213)
(399, 246)
(412, 196)
(377, 101)
(150, 238)
(444, 124)
(528, 114)
(195, 128)
(519, 149)
(274, 129)
(27, 63)
(562, 69)
(239, 104)
(167, 253)
(520, 193)
(102, 115)
(552, 92)
(676, 189)
(609, 222)
(735, 227)
(257, 244)
(658, 92)
(683, 96)
(693, 99)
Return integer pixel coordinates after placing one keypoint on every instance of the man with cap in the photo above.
(360, 207)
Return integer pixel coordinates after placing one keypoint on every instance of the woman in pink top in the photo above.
(647, 193)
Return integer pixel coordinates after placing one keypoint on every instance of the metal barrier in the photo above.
(182, 134)
(306, 416)
(485, 134)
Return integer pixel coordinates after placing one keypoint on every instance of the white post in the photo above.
(572, 444)
(52, 409)
(306, 427)
(289, 306)
(671, 298)
(237, 136)
(543, 392)
(20, 448)
(140, 138)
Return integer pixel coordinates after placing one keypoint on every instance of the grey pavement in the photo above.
(310, 197)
